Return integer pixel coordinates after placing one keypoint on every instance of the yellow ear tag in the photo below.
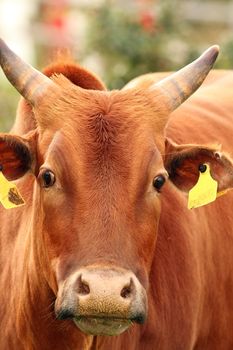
(205, 190)
(9, 194)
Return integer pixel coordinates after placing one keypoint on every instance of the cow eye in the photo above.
(47, 178)
(158, 182)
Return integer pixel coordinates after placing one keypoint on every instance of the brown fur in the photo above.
(105, 148)
(79, 76)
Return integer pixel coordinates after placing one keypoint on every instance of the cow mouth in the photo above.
(102, 325)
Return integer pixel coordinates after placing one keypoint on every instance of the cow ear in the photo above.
(183, 161)
(16, 155)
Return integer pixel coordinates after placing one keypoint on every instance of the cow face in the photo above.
(105, 171)
(99, 174)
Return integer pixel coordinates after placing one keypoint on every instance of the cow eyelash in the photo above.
(47, 178)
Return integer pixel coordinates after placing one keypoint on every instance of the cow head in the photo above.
(98, 166)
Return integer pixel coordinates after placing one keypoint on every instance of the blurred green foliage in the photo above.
(157, 40)
(8, 98)
(226, 58)
(133, 44)
(131, 41)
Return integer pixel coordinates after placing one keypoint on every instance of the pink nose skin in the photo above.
(102, 301)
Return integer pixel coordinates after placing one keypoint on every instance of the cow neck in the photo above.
(29, 299)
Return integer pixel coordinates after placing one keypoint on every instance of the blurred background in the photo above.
(117, 39)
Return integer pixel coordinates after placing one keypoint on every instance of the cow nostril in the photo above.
(65, 314)
(140, 318)
(83, 287)
(126, 292)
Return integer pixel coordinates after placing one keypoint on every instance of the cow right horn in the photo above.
(180, 85)
(30, 83)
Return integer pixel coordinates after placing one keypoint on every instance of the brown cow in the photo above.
(105, 243)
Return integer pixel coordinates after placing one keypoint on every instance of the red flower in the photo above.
(147, 21)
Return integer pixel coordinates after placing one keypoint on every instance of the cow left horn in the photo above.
(30, 83)
(182, 84)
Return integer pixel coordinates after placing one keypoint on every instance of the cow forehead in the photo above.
(98, 110)
(101, 148)
(97, 162)
(102, 134)
(101, 123)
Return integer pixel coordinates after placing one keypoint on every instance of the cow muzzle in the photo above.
(102, 301)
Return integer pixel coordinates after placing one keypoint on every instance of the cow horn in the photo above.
(182, 84)
(30, 83)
